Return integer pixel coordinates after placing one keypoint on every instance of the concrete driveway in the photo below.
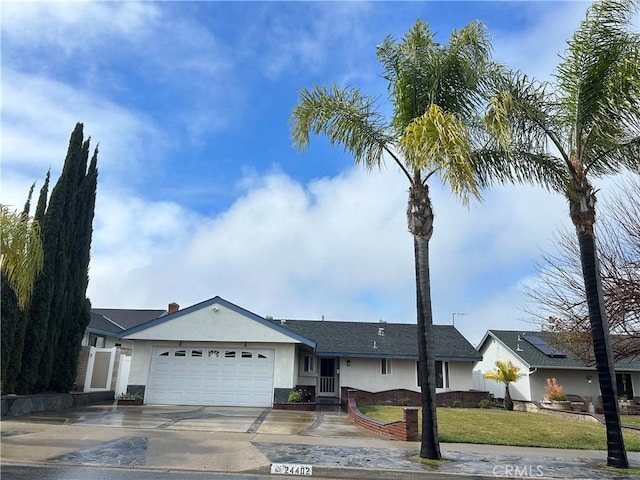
(201, 419)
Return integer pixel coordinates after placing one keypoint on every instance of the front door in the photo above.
(327, 386)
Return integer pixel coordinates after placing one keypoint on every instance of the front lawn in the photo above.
(501, 427)
(633, 420)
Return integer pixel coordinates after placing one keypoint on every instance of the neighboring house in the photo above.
(216, 353)
(538, 356)
(106, 325)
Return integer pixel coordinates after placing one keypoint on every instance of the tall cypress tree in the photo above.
(59, 298)
(73, 316)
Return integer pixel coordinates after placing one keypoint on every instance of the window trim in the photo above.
(443, 374)
(385, 366)
(308, 365)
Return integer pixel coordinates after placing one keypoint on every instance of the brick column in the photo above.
(410, 416)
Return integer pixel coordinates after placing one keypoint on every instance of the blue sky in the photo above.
(201, 192)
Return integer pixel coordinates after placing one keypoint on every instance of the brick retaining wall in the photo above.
(405, 430)
(463, 398)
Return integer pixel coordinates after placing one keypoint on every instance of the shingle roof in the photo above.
(362, 339)
(516, 341)
(116, 320)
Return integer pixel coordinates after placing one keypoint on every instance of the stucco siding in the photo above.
(215, 323)
(460, 376)
(285, 367)
(493, 351)
(573, 381)
(366, 374)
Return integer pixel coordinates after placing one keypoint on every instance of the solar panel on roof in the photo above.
(543, 346)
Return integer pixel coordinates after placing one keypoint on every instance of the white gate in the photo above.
(99, 369)
(478, 381)
(122, 379)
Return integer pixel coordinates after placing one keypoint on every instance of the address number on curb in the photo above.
(291, 469)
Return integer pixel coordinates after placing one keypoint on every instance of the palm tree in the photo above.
(505, 372)
(435, 90)
(588, 126)
(21, 253)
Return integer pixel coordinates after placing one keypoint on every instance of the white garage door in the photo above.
(211, 376)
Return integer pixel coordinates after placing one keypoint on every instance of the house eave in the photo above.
(443, 358)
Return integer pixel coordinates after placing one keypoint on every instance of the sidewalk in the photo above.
(210, 440)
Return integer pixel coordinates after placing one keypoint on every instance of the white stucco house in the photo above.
(539, 357)
(217, 353)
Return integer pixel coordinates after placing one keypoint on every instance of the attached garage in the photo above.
(211, 376)
(212, 353)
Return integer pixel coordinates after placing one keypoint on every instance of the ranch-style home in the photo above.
(217, 353)
(539, 357)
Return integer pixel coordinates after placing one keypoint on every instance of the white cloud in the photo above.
(74, 26)
(38, 115)
(337, 247)
(535, 50)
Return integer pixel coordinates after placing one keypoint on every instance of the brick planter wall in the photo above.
(467, 399)
(404, 430)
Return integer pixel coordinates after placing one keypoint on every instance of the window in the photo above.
(385, 366)
(97, 341)
(229, 354)
(625, 387)
(442, 374)
(247, 355)
(180, 353)
(196, 353)
(308, 364)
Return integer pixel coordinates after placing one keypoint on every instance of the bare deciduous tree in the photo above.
(559, 299)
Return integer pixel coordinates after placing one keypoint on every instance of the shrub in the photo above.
(456, 404)
(299, 396)
(485, 403)
(294, 397)
(554, 391)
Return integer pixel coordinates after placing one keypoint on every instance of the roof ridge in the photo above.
(115, 323)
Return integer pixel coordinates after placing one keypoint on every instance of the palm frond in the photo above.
(521, 119)
(347, 118)
(599, 84)
(21, 253)
(439, 141)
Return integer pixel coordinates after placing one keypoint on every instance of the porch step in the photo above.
(328, 404)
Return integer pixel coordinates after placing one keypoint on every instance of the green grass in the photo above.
(501, 427)
(633, 420)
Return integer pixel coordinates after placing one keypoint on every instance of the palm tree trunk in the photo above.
(616, 454)
(508, 403)
(420, 221)
(429, 447)
(582, 201)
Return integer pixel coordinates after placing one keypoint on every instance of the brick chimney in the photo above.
(173, 307)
